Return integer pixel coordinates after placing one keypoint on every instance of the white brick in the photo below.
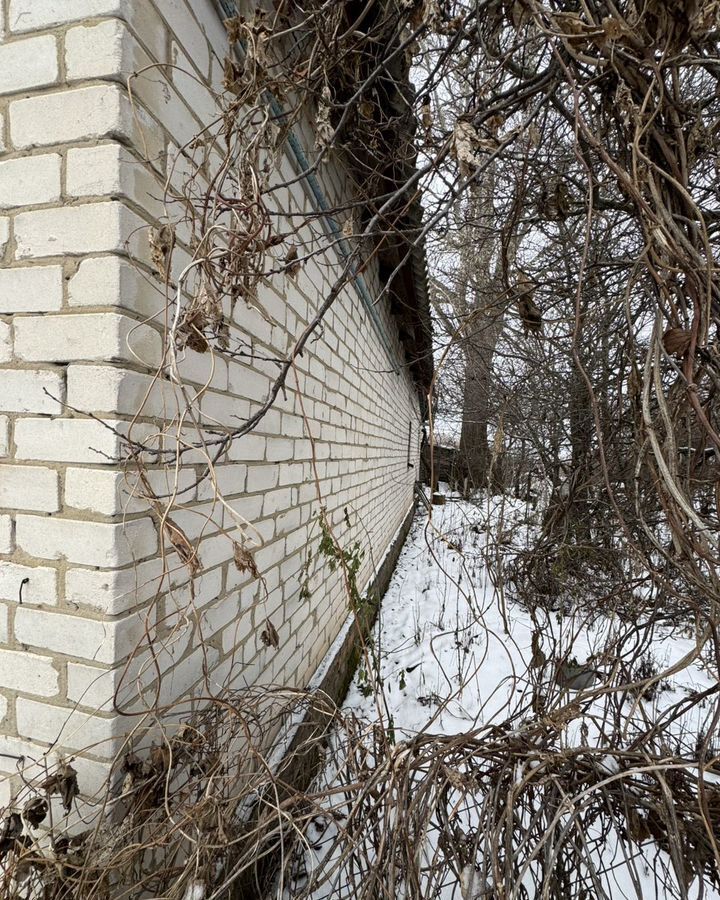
(92, 228)
(279, 449)
(69, 728)
(111, 390)
(23, 390)
(3, 623)
(4, 233)
(30, 180)
(277, 500)
(116, 591)
(187, 32)
(17, 755)
(102, 491)
(28, 64)
(77, 636)
(40, 588)
(248, 447)
(81, 114)
(4, 436)
(30, 15)
(108, 50)
(92, 686)
(36, 289)
(86, 543)
(6, 345)
(87, 113)
(89, 336)
(262, 478)
(194, 92)
(29, 487)
(99, 688)
(111, 170)
(112, 281)
(28, 673)
(6, 537)
(111, 493)
(246, 382)
(98, 51)
(70, 440)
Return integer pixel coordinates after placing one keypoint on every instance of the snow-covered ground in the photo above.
(454, 653)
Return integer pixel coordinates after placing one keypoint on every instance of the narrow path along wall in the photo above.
(93, 597)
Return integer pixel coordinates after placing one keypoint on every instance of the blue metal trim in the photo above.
(330, 225)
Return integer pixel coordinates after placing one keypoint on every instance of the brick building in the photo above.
(92, 595)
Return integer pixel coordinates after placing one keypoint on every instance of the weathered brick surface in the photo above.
(81, 336)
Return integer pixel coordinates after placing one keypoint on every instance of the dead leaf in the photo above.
(467, 144)
(614, 28)
(232, 76)
(269, 635)
(185, 550)
(234, 28)
(244, 560)
(63, 782)
(292, 265)
(530, 313)
(189, 331)
(538, 657)
(160, 758)
(676, 342)
(34, 811)
(426, 117)
(11, 830)
(324, 132)
(162, 241)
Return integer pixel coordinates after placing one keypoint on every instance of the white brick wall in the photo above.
(31, 391)
(82, 318)
(30, 180)
(91, 336)
(88, 543)
(29, 487)
(76, 230)
(36, 289)
(28, 64)
(29, 15)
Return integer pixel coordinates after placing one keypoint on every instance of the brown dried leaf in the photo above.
(614, 28)
(244, 560)
(324, 132)
(518, 13)
(185, 550)
(11, 830)
(63, 782)
(232, 76)
(189, 330)
(34, 811)
(527, 307)
(234, 28)
(426, 116)
(538, 657)
(292, 265)
(223, 334)
(160, 758)
(467, 143)
(676, 342)
(269, 636)
(162, 241)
